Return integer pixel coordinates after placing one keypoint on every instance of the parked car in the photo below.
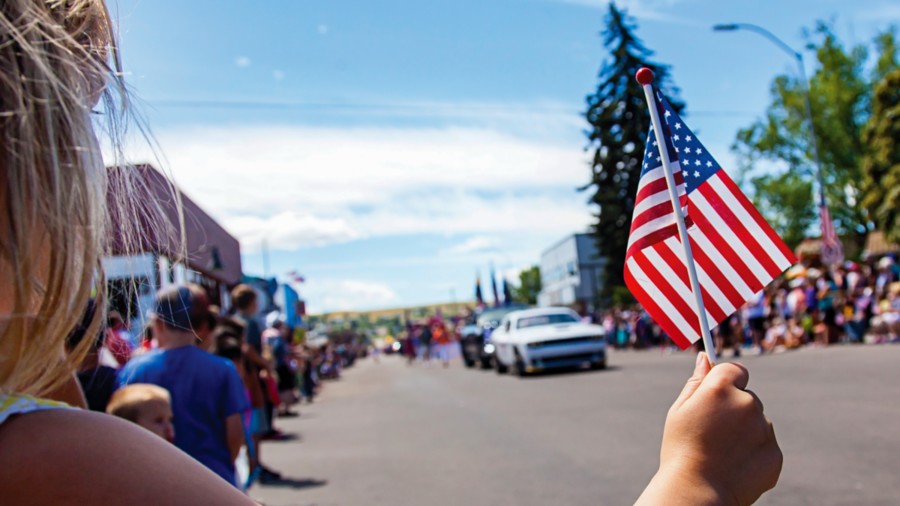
(475, 338)
(532, 340)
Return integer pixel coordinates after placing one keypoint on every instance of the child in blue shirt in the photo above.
(208, 396)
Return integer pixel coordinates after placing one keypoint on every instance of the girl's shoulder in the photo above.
(95, 458)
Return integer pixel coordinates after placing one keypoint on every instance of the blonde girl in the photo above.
(56, 59)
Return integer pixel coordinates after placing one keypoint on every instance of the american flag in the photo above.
(832, 251)
(736, 252)
(296, 277)
(494, 288)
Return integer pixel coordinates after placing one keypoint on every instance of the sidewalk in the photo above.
(310, 438)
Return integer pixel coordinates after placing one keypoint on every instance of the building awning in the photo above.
(877, 244)
(808, 247)
(151, 202)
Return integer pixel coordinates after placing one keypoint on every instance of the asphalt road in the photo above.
(396, 435)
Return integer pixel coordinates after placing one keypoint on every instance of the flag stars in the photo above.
(697, 163)
(687, 149)
(668, 113)
(677, 125)
(709, 164)
(696, 173)
(688, 138)
(676, 137)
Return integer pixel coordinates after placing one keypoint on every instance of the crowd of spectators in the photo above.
(851, 303)
(430, 339)
(212, 383)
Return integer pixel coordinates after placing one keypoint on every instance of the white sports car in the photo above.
(535, 339)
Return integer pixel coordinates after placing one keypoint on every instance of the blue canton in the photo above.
(697, 164)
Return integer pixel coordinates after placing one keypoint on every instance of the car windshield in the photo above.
(494, 316)
(545, 319)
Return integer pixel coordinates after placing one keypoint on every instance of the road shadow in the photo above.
(286, 437)
(569, 371)
(295, 483)
(305, 415)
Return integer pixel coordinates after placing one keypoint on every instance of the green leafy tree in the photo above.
(529, 286)
(840, 93)
(786, 201)
(881, 164)
(886, 44)
(618, 124)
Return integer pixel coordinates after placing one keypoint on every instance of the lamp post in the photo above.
(798, 57)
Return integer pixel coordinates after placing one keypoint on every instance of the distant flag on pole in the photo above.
(735, 251)
(507, 294)
(494, 287)
(832, 251)
(296, 277)
(479, 298)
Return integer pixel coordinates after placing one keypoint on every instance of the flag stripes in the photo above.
(760, 223)
(719, 263)
(733, 254)
(662, 311)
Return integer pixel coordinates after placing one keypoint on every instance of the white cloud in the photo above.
(512, 274)
(347, 294)
(474, 214)
(475, 244)
(278, 75)
(242, 61)
(306, 186)
(289, 230)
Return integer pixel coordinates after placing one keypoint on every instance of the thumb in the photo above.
(701, 369)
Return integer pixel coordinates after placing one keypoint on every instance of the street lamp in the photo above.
(798, 57)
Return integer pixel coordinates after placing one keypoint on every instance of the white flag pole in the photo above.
(645, 77)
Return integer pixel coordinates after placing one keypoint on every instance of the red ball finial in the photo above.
(644, 76)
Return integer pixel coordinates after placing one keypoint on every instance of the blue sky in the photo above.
(389, 150)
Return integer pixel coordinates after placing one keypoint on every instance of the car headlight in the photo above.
(489, 348)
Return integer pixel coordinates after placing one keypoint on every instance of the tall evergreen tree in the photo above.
(619, 122)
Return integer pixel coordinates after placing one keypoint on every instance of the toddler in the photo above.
(149, 406)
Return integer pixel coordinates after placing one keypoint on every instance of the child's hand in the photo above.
(718, 447)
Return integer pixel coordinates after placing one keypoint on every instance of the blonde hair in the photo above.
(127, 401)
(56, 59)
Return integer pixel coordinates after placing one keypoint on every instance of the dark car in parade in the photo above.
(475, 338)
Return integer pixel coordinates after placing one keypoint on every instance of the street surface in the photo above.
(396, 435)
